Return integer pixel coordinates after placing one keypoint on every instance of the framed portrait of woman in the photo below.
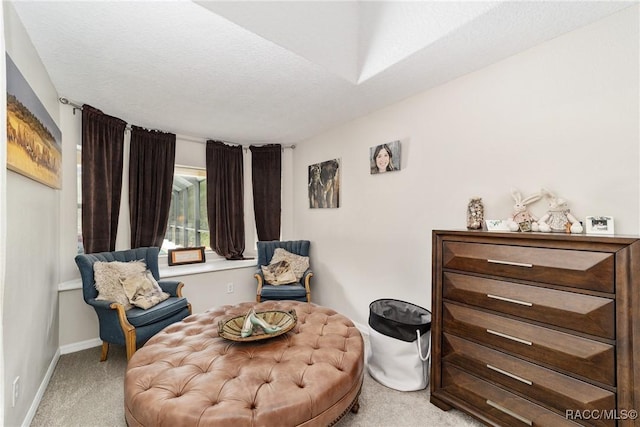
(385, 157)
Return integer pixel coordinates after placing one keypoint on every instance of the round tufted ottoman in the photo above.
(189, 376)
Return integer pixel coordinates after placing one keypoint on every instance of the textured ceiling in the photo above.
(264, 72)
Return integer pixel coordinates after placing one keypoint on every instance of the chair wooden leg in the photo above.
(128, 330)
(105, 351)
(130, 337)
(307, 285)
(259, 288)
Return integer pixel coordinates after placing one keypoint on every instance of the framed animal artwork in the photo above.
(324, 184)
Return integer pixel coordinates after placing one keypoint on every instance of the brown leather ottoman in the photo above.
(187, 375)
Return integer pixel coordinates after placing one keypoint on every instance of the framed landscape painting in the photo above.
(34, 142)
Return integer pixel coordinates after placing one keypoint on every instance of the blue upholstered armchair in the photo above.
(135, 326)
(299, 291)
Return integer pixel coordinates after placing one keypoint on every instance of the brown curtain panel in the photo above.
(225, 199)
(151, 165)
(102, 148)
(266, 172)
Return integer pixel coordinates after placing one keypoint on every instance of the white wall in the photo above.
(563, 115)
(30, 305)
(208, 290)
(3, 200)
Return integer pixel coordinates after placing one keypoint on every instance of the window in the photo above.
(187, 225)
(79, 196)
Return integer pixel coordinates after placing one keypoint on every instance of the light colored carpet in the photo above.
(84, 392)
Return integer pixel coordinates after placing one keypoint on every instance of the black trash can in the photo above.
(400, 339)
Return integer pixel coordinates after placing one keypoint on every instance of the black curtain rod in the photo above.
(75, 106)
(65, 101)
(245, 147)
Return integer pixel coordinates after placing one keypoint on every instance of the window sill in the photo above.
(178, 270)
(70, 285)
(206, 267)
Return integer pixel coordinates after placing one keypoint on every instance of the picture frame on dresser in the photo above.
(497, 225)
(599, 225)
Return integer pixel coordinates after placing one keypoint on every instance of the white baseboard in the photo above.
(65, 349)
(43, 387)
(79, 346)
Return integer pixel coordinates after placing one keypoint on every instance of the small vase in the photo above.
(475, 214)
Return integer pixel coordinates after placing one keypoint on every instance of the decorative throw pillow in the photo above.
(279, 273)
(142, 290)
(107, 276)
(299, 264)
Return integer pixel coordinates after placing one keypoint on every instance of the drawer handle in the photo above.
(509, 337)
(515, 301)
(509, 412)
(509, 374)
(517, 264)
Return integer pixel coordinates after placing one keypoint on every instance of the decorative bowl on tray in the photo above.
(231, 328)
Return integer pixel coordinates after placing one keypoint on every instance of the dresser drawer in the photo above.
(587, 358)
(583, 313)
(496, 403)
(546, 386)
(580, 269)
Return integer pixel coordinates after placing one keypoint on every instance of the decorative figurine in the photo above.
(475, 214)
(266, 327)
(247, 326)
(251, 319)
(521, 219)
(558, 219)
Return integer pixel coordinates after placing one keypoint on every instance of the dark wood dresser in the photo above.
(536, 329)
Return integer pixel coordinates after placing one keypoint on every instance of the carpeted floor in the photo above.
(84, 392)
